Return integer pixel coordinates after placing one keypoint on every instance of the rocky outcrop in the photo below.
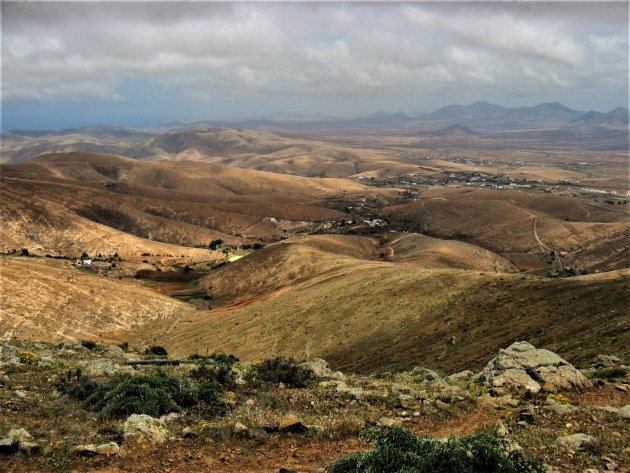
(141, 427)
(523, 367)
(321, 369)
(18, 440)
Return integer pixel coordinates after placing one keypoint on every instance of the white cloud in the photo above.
(364, 53)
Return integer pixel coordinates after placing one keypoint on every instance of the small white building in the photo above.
(83, 262)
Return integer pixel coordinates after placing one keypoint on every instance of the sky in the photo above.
(142, 64)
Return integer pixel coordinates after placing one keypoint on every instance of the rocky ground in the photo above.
(280, 416)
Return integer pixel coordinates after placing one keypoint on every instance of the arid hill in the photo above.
(44, 299)
(595, 235)
(368, 314)
(69, 203)
(311, 259)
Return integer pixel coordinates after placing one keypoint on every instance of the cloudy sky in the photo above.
(140, 64)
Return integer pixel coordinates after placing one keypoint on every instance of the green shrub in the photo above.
(89, 344)
(154, 393)
(124, 346)
(76, 385)
(399, 451)
(280, 369)
(220, 373)
(218, 358)
(122, 397)
(607, 373)
(156, 350)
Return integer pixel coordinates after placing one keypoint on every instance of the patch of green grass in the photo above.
(607, 373)
(192, 284)
(397, 450)
(238, 255)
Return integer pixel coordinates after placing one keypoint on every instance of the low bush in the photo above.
(280, 369)
(397, 450)
(219, 373)
(27, 357)
(89, 344)
(218, 358)
(76, 385)
(156, 350)
(155, 394)
(607, 373)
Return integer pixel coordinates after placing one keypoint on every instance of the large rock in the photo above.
(624, 412)
(606, 361)
(577, 442)
(522, 366)
(291, 423)
(321, 369)
(429, 378)
(141, 427)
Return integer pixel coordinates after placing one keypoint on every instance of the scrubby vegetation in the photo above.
(608, 373)
(397, 450)
(154, 393)
(156, 350)
(89, 344)
(284, 370)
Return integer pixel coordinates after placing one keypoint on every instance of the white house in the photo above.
(83, 262)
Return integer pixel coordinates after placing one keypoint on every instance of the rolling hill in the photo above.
(503, 221)
(46, 299)
(365, 314)
(70, 203)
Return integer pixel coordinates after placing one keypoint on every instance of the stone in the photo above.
(45, 362)
(29, 448)
(609, 409)
(321, 369)
(465, 375)
(624, 412)
(621, 387)
(291, 423)
(441, 405)
(189, 433)
(20, 394)
(21, 435)
(249, 402)
(522, 366)
(500, 430)
(110, 448)
(562, 409)
(430, 377)
(577, 442)
(170, 417)
(5, 380)
(605, 361)
(8, 446)
(88, 450)
(239, 428)
(342, 387)
(141, 427)
(386, 422)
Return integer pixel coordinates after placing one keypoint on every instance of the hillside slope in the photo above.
(98, 203)
(43, 299)
(365, 314)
